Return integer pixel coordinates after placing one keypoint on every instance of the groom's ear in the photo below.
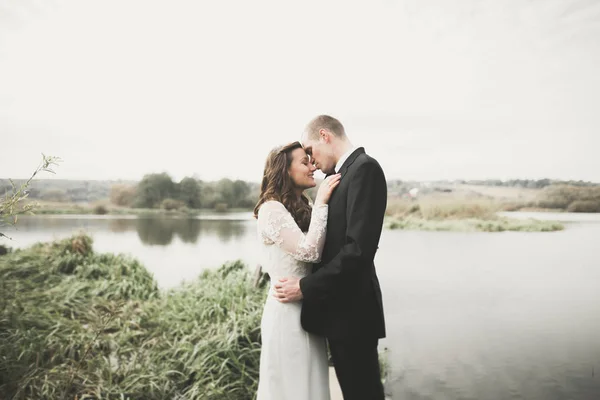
(325, 135)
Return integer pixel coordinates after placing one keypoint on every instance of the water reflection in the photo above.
(161, 231)
(154, 231)
(120, 225)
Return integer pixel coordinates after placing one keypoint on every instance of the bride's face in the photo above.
(301, 170)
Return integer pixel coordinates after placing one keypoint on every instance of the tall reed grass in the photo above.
(79, 325)
(448, 214)
(571, 198)
(443, 208)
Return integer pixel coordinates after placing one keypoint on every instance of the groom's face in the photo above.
(321, 154)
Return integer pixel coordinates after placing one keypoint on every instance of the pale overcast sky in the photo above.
(438, 89)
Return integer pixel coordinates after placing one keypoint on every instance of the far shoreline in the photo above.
(395, 220)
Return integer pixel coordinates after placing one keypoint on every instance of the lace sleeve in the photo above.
(277, 226)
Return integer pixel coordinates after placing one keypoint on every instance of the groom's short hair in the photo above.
(324, 122)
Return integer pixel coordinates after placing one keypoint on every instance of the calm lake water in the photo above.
(469, 315)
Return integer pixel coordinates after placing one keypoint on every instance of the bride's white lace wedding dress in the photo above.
(293, 362)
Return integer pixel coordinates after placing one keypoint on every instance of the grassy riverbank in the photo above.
(447, 214)
(468, 207)
(77, 324)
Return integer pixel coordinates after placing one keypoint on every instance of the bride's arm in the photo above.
(276, 225)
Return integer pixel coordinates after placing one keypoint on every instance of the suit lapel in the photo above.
(334, 196)
(343, 171)
(351, 159)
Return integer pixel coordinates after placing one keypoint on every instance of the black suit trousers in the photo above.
(356, 365)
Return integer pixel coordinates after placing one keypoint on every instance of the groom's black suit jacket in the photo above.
(342, 297)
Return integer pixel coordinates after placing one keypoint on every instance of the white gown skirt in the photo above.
(293, 362)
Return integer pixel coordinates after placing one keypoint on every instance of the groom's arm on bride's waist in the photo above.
(367, 199)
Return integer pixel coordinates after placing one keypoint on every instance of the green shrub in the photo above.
(561, 197)
(221, 207)
(77, 324)
(100, 209)
(584, 206)
(123, 195)
(171, 204)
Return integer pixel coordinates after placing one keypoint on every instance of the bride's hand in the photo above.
(326, 188)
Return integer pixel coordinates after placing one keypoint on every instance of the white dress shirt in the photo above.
(343, 159)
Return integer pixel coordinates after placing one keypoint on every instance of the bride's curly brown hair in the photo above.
(277, 185)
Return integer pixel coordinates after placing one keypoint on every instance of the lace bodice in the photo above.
(288, 250)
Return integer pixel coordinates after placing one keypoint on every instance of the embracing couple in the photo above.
(324, 288)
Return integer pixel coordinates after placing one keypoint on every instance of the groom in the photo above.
(341, 298)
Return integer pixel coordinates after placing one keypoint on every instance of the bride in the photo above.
(293, 362)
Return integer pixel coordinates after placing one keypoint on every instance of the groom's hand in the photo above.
(288, 290)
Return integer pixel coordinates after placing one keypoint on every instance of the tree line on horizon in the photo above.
(156, 190)
(159, 190)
